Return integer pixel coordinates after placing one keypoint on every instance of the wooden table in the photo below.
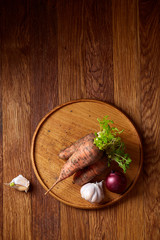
(56, 51)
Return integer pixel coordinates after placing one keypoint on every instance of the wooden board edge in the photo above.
(54, 195)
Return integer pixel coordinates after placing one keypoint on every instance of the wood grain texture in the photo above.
(1, 147)
(150, 113)
(56, 51)
(126, 90)
(98, 70)
(97, 52)
(16, 121)
(92, 69)
(71, 82)
(44, 96)
(71, 85)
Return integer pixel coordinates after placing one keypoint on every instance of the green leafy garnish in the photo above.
(107, 140)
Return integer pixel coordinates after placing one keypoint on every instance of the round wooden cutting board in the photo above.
(66, 124)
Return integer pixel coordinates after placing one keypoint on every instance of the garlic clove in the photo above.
(20, 183)
(95, 197)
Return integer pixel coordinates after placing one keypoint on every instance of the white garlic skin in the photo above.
(92, 192)
(20, 183)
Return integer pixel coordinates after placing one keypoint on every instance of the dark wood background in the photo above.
(55, 51)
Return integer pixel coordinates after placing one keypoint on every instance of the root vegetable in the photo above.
(67, 152)
(85, 175)
(85, 154)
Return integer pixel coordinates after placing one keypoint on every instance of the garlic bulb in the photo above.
(92, 192)
(20, 183)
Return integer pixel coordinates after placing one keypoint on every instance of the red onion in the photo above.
(116, 182)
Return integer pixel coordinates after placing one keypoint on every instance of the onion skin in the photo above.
(116, 182)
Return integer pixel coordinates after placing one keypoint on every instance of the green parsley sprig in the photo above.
(107, 140)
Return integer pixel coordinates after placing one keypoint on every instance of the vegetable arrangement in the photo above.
(91, 155)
